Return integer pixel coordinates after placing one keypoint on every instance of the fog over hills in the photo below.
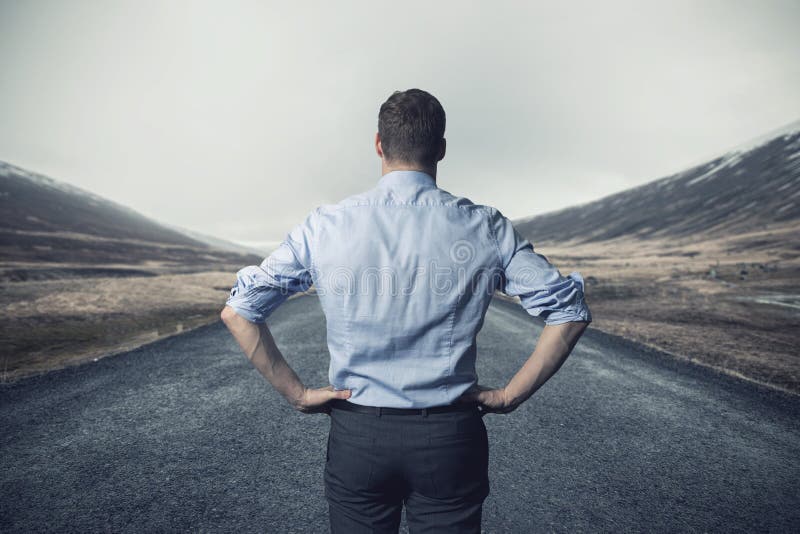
(222, 244)
(755, 186)
(44, 222)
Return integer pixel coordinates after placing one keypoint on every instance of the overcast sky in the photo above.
(237, 118)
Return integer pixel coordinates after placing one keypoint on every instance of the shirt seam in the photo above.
(494, 240)
(312, 246)
(414, 204)
(297, 259)
(453, 311)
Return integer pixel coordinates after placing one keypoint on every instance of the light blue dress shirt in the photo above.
(405, 272)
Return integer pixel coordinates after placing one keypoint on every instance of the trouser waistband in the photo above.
(343, 404)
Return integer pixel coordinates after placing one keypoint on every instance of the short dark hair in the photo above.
(411, 125)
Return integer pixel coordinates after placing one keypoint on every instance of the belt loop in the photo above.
(378, 411)
(424, 412)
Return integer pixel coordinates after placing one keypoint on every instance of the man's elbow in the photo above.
(228, 314)
(582, 324)
(235, 319)
(577, 326)
(580, 328)
(570, 331)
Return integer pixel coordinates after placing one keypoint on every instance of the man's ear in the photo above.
(442, 149)
(378, 147)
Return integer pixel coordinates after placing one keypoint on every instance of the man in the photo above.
(405, 272)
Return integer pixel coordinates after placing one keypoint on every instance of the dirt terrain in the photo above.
(53, 323)
(719, 302)
(50, 324)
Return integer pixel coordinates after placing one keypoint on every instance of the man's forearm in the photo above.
(259, 346)
(554, 345)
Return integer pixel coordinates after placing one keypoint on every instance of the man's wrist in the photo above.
(296, 396)
(510, 399)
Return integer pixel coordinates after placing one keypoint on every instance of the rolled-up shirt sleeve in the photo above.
(260, 289)
(543, 291)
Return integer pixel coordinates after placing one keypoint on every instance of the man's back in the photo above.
(405, 272)
(397, 267)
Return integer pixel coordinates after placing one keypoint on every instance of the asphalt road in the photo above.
(185, 435)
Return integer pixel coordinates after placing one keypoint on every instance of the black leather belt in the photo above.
(378, 410)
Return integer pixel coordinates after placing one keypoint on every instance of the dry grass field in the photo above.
(727, 303)
(54, 323)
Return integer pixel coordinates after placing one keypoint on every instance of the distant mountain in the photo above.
(36, 203)
(43, 220)
(751, 187)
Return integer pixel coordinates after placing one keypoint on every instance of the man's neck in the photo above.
(389, 168)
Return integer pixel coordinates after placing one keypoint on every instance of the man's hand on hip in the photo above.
(554, 345)
(490, 400)
(316, 400)
(259, 346)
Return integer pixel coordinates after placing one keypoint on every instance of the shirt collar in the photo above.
(407, 177)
